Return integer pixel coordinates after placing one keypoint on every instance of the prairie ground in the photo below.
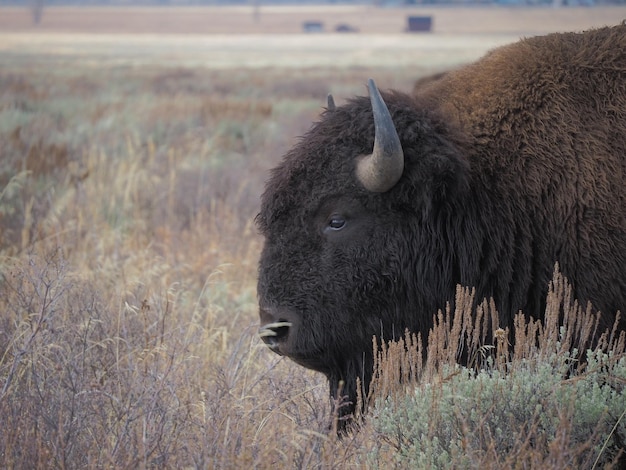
(135, 145)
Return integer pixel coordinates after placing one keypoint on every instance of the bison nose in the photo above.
(273, 330)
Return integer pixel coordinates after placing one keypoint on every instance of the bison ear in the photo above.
(331, 103)
(380, 171)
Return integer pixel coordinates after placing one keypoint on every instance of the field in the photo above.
(221, 37)
(135, 146)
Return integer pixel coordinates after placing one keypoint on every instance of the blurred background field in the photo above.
(272, 18)
(130, 172)
(226, 36)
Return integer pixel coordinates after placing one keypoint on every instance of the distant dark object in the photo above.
(420, 24)
(346, 28)
(36, 9)
(313, 27)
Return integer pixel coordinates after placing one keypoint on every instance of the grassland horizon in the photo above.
(271, 19)
(231, 37)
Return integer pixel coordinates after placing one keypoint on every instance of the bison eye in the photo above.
(336, 222)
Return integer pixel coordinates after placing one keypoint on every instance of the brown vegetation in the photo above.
(127, 279)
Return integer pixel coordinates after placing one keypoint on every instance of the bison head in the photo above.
(355, 221)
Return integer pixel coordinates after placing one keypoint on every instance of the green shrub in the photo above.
(539, 404)
(467, 416)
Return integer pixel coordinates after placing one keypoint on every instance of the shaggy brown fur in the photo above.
(546, 119)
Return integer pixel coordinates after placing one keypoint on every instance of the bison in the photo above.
(485, 176)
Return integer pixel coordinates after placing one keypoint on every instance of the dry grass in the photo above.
(127, 278)
(128, 269)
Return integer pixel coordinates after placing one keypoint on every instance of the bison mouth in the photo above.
(277, 327)
(281, 331)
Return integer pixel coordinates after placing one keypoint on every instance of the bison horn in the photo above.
(380, 171)
(331, 103)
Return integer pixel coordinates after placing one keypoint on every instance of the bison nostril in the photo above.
(281, 328)
(272, 333)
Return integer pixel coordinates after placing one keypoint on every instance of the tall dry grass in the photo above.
(127, 282)
(128, 268)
